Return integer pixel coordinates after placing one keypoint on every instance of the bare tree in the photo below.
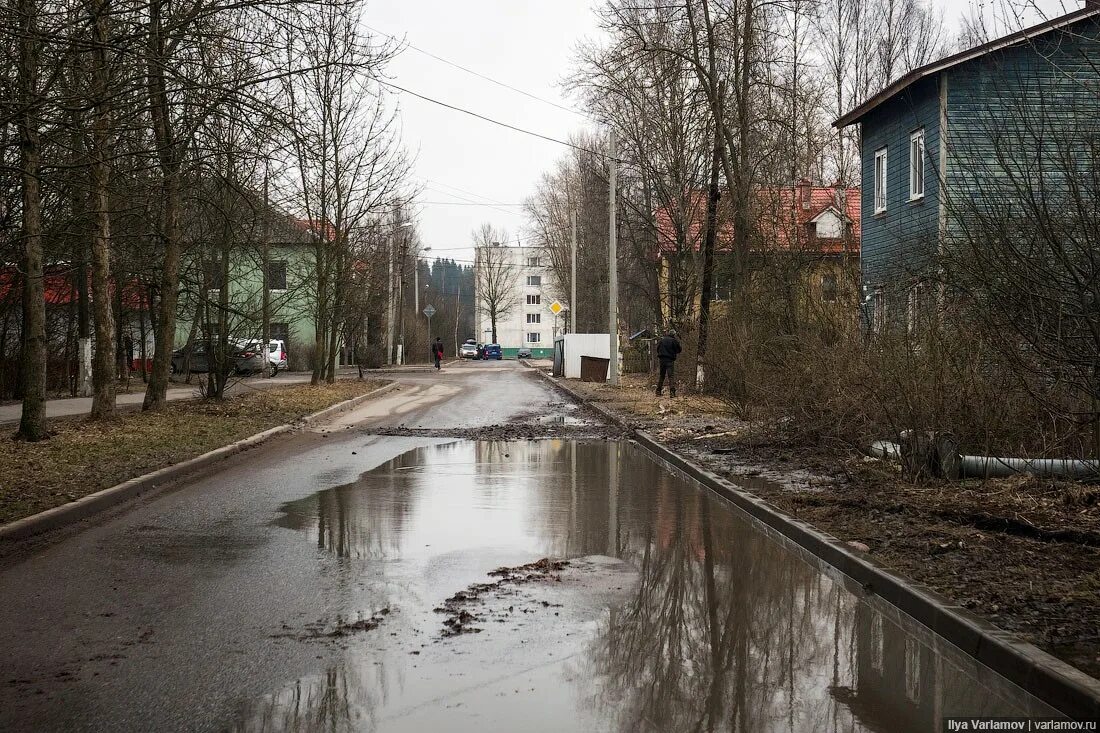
(496, 275)
(347, 156)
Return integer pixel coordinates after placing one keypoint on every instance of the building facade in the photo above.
(514, 282)
(976, 138)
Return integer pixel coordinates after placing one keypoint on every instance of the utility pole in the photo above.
(573, 277)
(389, 293)
(265, 257)
(613, 271)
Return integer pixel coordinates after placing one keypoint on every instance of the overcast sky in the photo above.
(524, 43)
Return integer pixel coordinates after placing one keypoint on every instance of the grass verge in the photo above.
(83, 457)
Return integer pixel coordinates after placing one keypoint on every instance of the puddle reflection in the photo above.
(725, 630)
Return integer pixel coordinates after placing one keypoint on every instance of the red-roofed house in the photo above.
(812, 231)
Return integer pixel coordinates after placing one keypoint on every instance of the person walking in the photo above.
(437, 352)
(668, 348)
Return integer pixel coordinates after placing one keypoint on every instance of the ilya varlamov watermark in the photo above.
(951, 725)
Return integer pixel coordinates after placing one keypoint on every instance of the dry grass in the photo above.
(635, 396)
(83, 457)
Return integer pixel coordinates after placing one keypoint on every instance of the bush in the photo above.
(826, 383)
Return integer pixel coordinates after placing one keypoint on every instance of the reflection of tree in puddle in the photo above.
(727, 630)
(342, 699)
(724, 631)
(366, 517)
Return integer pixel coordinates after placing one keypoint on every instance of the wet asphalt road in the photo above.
(317, 583)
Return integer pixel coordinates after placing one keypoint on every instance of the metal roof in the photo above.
(935, 67)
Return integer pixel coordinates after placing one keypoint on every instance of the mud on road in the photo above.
(555, 419)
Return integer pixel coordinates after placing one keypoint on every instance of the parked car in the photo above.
(276, 353)
(523, 354)
(243, 360)
(492, 351)
(469, 350)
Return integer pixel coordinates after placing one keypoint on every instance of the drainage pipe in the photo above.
(993, 467)
(999, 467)
(886, 450)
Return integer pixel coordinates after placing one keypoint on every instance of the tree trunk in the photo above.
(169, 163)
(706, 286)
(32, 424)
(320, 336)
(103, 374)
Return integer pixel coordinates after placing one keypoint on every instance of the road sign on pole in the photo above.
(429, 311)
(556, 307)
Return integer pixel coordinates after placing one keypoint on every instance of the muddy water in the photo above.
(675, 614)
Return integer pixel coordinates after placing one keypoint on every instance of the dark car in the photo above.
(242, 360)
(492, 351)
(523, 354)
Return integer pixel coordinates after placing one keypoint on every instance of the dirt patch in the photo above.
(555, 419)
(321, 630)
(83, 457)
(1022, 552)
(464, 609)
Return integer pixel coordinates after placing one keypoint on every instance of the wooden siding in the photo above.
(900, 241)
(1023, 117)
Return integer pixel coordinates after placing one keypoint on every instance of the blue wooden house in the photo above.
(954, 138)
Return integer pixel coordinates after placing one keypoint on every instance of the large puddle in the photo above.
(707, 623)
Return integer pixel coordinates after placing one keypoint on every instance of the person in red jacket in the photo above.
(437, 352)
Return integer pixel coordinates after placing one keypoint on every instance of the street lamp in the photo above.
(393, 301)
(416, 277)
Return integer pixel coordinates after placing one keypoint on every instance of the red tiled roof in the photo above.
(781, 219)
(316, 227)
(61, 288)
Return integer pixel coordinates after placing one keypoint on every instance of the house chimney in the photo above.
(840, 196)
(802, 189)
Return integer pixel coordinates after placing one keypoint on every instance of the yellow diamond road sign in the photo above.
(556, 307)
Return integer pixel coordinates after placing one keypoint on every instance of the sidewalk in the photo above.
(83, 405)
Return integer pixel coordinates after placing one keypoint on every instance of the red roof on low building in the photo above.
(783, 216)
(61, 289)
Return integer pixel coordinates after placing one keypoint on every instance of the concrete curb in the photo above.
(66, 514)
(1058, 684)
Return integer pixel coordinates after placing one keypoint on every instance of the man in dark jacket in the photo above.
(668, 348)
(437, 352)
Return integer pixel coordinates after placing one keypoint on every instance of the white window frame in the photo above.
(878, 310)
(881, 161)
(534, 281)
(537, 337)
(914, 306)
(534, 318)
(916, 165)
(533, 262)
(534, 299)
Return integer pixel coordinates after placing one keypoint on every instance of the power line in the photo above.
(491, 120)
(461, 203)
(472, 202)
(462, 190)
(480, 75)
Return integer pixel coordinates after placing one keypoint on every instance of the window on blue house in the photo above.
(880, 181)
(916, 165)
